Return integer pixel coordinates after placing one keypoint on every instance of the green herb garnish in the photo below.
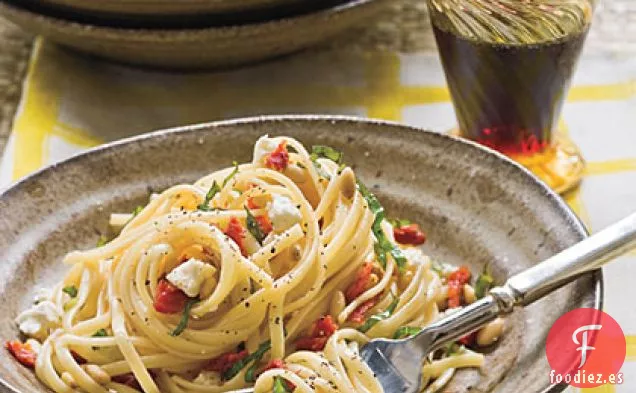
(102, 241)
(70, 304)
(250, 374)
(483, 284)
(406, 331)
(185, 317)
(280, 386)
(70, 290)
(452, 349)
(100, 333)
(327, 152)
(374, 319)
(231, 175)
(253, 227)
(238, 366)
(383, 246)
(214, 189)
(291, 149)
(137, 210)
(399, 222)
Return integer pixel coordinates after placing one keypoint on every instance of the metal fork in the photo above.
(398, 363)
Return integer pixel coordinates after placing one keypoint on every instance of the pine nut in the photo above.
(348, 183)
(469, 294)
(441, 297)
(69, 380)
(490, 333)
(338, 303)
(97, 373)
(373, 280)
(405, 279)
(296, 174)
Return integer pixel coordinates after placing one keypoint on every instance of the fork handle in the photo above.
(538, 281)
(590, 254)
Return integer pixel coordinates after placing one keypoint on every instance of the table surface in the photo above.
(404, 28)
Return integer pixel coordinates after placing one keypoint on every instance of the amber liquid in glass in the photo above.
(508, 97)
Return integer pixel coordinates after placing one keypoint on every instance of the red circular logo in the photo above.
(586, 348)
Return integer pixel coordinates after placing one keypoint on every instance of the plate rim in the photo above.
(191, 128)
(142, 35)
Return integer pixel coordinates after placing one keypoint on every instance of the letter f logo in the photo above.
(584, 348)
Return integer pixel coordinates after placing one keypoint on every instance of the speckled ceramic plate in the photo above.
(476, 206)
(197, 48)
(180, 14)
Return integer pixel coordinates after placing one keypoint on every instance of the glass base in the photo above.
(561, 166)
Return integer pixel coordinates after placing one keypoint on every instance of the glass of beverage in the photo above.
(508, 66)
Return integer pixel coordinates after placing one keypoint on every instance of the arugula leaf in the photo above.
(231, 175)
(452, 349)
(258, 355)
(291, 149)
(374, 319)
(254, 227)
(100, 333)
(280, 386)
(329, 153)
(399, 222)
(185, 317)
(70, 304)
(102, 241)
(320, 151)
(380, 254)
(383, 245)
(406, 331)
(70, 290)
(214, 189)
(238, 366)
(483, 284)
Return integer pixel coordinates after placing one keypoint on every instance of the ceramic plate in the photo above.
(180, 15)
(165, 8)
(476, 206)
(196, 48)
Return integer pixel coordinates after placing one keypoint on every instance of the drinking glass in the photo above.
(508, 66)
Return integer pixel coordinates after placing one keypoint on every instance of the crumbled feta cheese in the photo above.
(190, 275)
(416, 256)
(283, 213)
(41, 294)
(37, 320)
(210, 378)
(264, 146)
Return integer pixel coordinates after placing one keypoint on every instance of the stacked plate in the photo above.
(189, 33)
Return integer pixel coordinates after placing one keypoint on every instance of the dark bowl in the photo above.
(222, 43)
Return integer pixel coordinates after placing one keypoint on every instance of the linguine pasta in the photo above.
(269, 274)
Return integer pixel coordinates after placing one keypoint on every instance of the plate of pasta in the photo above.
(263, 253)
